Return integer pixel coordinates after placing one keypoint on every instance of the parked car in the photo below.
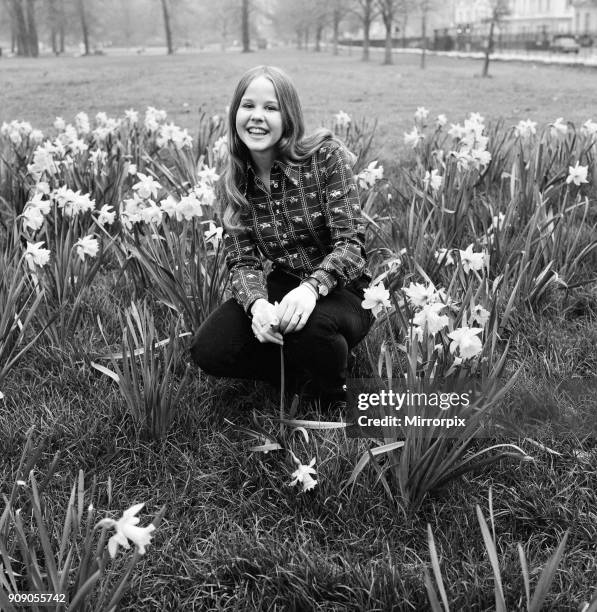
(564, 44)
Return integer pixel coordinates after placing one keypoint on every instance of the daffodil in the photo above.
(589, 128)
(525, 128)
(107, 215)
(213, 235)
(429, 316)
(126, 529)
(303, 475)
(466, 341)
(444, 256)
(433, 179)
(441, 120)
(36, 256)
(147, 186)
(411, 139)
(421, 113)
(480, 314)
(87, 245)
(419, 295)
(577, 174)
(342, 120)
(370, 175)
(559, 127)
(472, 261)
(376, 298)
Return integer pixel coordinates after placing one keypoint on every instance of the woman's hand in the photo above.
(295, 309)
(265, 322)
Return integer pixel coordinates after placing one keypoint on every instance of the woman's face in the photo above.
(258, 118)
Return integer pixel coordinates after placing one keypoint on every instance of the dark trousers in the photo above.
(226, 346)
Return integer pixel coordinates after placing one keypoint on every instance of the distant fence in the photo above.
(473, 38)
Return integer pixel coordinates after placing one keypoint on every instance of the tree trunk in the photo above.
(84, 27)
(20, 28)
(245, 27)
(336, 25)
(167, 27)
(318, 34)
(366, 26)
(424, 37)
(388, 60)
(32, 29)
(488, 49)
(61, 29)
(306, 38)
(299, 38)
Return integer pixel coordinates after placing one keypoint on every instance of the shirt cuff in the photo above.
(325, 278)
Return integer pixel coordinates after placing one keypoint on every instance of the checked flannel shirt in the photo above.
(309, 225)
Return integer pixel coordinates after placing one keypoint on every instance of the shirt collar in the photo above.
(290, 169)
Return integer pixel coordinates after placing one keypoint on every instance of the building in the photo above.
(539, 17)
(585, 16)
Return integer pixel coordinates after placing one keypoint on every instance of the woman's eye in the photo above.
(271, 108)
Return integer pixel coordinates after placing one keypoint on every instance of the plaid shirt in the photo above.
(309, 225)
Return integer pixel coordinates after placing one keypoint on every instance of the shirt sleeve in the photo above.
(246, 268)
(347, 260)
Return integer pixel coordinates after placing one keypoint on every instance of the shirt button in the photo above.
(284, 235)
(275, 184)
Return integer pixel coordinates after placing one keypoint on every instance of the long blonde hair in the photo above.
(293, 146)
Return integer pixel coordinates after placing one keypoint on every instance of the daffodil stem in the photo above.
(282, 389)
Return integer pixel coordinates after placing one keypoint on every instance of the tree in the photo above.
(499, 9)
(388, 9)
(23, 27)
(366, 11)
(167, 28)
(84, 26)
(245, 27)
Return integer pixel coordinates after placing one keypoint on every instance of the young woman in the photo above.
(291, 199)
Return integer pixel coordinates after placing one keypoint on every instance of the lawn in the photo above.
(235, 535)
(39, 90)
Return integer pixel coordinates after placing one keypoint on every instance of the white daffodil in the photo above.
(421, 113)
(433, 179)
(303, 475)
(213, 235)
(151, 213)
(577, 174)
(107, 215)
(466, 341)
(131, 115)
(82, 123)
(481, 315)
(376, 298)
(126, 529)
(370, 175)
(1, 395)
(444, 256)
(36, 255)
(472, 261)
(589, 128)
(525, 128)
(457, 131)
(419, 295)
(220, 148)
(429, 316)
(87, 245)
(342, 120)
(147, 187)
(441, 120)
(188, 207)
(132, 169)
(412, 138)
(559, 127)
(59, 123)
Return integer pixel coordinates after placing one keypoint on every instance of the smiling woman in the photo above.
(292, 199)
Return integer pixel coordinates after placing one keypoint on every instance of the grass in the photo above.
(235, 535)
(181, 84)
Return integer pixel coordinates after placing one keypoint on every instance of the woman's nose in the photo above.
(257, 113)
